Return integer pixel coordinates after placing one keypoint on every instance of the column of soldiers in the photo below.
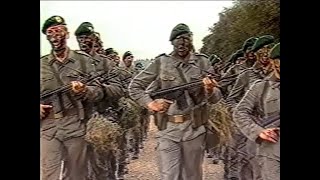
(73, 111)
(250, 154)
(94, 108)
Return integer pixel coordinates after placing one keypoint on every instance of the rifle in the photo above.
(270, 121)
(165, 92)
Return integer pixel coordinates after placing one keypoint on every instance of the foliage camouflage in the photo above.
(102, 133)
(220, 119)
(243, 20)
(130, 113)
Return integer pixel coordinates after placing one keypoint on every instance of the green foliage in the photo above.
(243, 20)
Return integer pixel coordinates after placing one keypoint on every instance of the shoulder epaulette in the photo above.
(82, 53)
(200, 54)
(163, 54)
(45, 56)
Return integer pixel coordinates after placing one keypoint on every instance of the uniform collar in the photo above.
(69, 58)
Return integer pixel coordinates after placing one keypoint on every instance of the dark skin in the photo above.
(182, 48)
(57, 37)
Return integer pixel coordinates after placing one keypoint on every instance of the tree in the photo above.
(243, 20)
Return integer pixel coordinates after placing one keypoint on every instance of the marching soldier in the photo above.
(102, 164)
(258, 117)
(181, 122)
(63, 122)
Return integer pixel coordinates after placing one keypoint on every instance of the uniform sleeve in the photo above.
(226, 80)
(243, 112)
(238, 90)
(94, 93)
(215, 96)
(113, 87)
(139, 84)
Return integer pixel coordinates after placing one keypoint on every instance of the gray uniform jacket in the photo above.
(163, 72)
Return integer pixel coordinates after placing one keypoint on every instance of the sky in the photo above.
(142, 27)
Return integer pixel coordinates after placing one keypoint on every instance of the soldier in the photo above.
(231, 74)
(63, 122)
(216, 65)
(244, 161)
(258, 117)
(102, 164)
(260, 69)
(181, 122)
(135, 133)
(112, 54)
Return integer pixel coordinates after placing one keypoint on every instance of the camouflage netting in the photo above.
(220, 119)
(130, 113)
(103, 134)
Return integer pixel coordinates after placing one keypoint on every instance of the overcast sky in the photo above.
(143, 27)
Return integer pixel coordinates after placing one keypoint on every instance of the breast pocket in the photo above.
(167, 81)
(72, 77)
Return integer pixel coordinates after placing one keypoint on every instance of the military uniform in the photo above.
(181, 144)
(64, 132)
(261, 102)
(247, 164)
(102, 165)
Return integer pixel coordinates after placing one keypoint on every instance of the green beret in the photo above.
(262, 41)
(126, 54)
(109, 51)
(178, 30)
(85, 28)
(214, 59)
(275, 52)
(236, 55)
(249, 43)
(52, 21)
(139, 65)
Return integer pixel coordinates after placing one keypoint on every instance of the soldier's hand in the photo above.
(78, 87)
(209, 84)
(159, 105)
(44, 110)
(270, 134)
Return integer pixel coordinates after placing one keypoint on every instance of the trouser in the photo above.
(269, 160)
(123, 155)
(181, 160)
(72, 152)
(100, 165)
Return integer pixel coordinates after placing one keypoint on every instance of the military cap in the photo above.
(178, 30)
(109, 51)
(275, 52)
(236, 55)
(52, 21)
(139, 65)
(85, 28)
(126, 54)
(214, 59)
(249, 43)
(262, 41)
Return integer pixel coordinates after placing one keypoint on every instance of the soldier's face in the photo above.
(128, 61)
(263, 55)
(117, 60)
(86, 42)
(182, 45)
(57, 37)
(250, 55)
(98, 48)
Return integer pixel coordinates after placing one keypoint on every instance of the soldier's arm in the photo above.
(215, 96)
(238, 90)
(243, 112)
(113, 88)
(139, 84)
(227, 80)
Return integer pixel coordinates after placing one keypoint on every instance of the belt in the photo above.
(179, 118)
(66, 112)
